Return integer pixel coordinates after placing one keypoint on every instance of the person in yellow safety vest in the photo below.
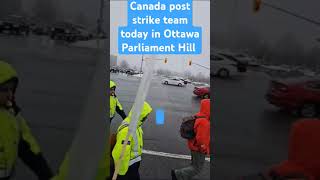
(129, 168)
(115, 105)
(16, 139)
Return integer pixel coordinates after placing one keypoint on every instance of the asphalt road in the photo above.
(177, 102)
(250, 135)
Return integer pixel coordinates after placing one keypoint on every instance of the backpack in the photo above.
(187, 127)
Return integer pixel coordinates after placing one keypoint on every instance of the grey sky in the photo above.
(179, 63)
(269, 23)
(227, 18)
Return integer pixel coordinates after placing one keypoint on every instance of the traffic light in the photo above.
(256, 5)
(190, 62)
(165, 60)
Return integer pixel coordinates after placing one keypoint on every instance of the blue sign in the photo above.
(160, 117)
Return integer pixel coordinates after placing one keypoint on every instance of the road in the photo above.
(249, 135)
(177, 102)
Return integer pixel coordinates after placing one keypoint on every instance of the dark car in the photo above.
(39, 28)
(301, 95)
(69, 32)
(16, 25)
(242, 65)
(131, 72)
(115, 69)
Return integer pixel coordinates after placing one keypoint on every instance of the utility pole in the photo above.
(101, 17)
(141, 64)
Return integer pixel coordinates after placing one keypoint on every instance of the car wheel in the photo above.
(166, 82)
(223, 73)
(180, 84)
(206, 96)
(308, 110)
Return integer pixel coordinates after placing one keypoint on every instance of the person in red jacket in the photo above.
(199, 145)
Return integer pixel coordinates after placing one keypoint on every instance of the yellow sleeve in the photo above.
(116, 152)
(119, 104)
(27, 135)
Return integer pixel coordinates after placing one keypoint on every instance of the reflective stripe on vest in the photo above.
(137, 159)
(136, 144)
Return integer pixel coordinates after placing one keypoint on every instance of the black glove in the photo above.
(36, 162)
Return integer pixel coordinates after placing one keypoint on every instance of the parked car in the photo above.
(130, 72)
(224, 67)
(69, 32)
(301, 95)
(114, 69)
(241, 60)
(182, 79)
(40, 29)
(188, 81)
(202, 91)
(122, 70)
(16, 25)
(173, 81)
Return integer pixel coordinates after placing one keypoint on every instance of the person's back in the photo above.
(201, 142)
(199, 145)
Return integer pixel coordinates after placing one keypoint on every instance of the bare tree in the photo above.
(124, 64)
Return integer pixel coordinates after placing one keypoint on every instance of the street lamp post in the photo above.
(141, 64)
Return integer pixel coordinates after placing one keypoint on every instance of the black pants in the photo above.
(132, 173)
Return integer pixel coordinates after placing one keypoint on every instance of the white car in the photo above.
(222, 67)
(173, 81)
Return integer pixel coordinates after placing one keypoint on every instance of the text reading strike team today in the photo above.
(134, 6)
(167, 33)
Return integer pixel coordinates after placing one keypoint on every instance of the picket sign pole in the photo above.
(91, 137)
(136, 110)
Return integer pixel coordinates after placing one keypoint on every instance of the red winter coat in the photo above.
(304, 151)
(201, 142)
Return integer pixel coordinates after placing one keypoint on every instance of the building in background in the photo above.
(113, 60)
